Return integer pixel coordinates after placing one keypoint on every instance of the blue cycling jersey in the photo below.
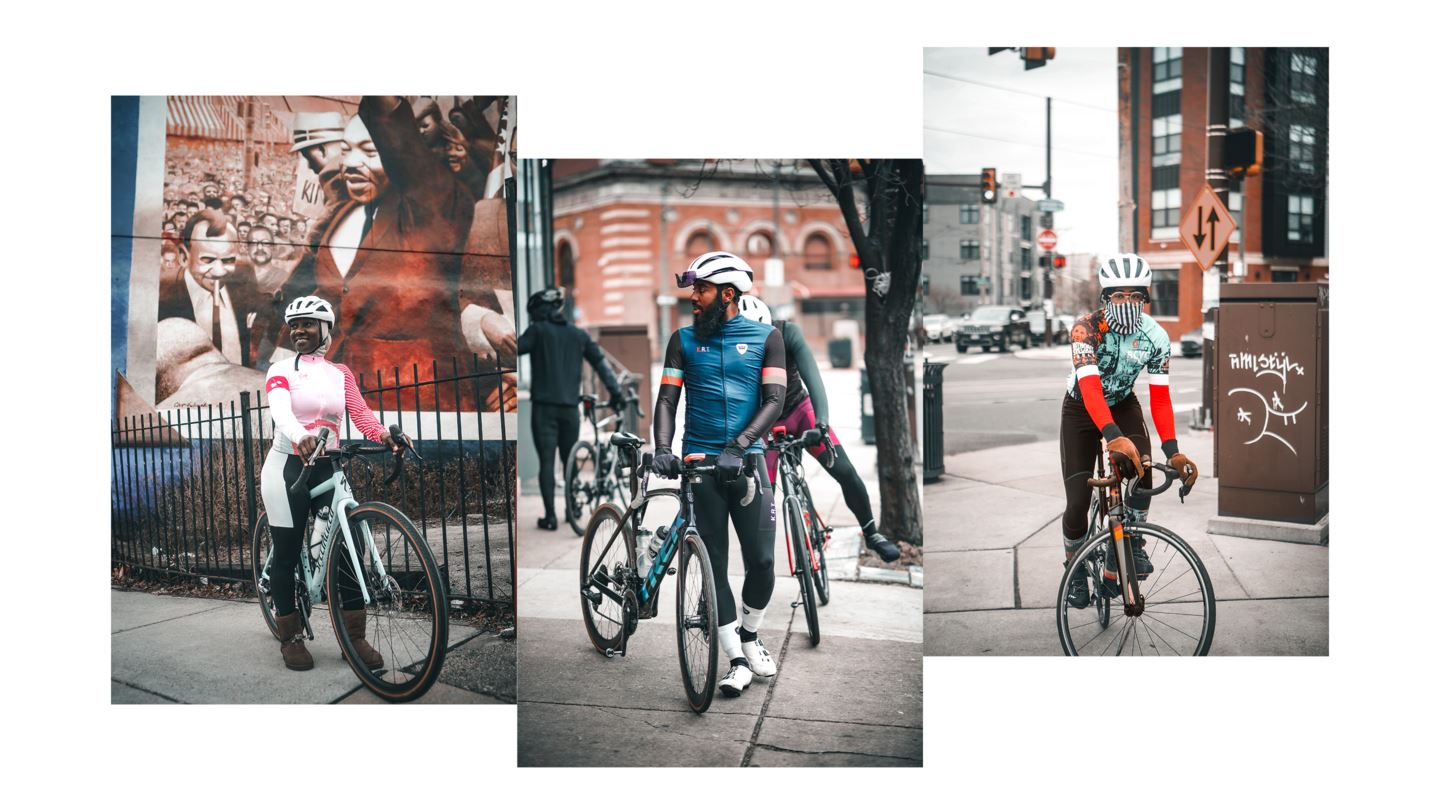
(723, 378)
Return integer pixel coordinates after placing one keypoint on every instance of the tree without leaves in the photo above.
(887, 239)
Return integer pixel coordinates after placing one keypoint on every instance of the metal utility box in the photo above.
(1272, 424)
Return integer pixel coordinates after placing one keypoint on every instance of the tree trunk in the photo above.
(887, 241)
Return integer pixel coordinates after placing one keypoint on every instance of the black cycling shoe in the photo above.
(547, 523)
(1078, 595)
(883, 547)
(1143, 567)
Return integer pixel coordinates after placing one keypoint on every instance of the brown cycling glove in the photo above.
(1188, 471)
(1128, 461)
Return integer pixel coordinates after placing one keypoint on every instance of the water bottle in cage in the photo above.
(322, 524)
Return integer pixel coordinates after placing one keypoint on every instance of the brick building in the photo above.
(1281, 212)
(622, 230)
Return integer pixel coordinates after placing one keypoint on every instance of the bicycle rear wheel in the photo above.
(697, 624)
(581, 486)
(606, 556)
(407, 619)
(800, 554)
(821, 573)
(1177, 617)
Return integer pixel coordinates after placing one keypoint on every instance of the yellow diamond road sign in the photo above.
(1206, 227)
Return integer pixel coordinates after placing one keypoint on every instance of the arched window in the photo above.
(565, 266)
(759, 246)
(818, 253)
(699, 243)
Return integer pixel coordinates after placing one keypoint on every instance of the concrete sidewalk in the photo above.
(995, 561)
(855, 700)
(166, 649)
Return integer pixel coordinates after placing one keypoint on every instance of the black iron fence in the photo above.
(186, 491)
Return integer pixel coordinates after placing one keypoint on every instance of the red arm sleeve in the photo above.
(1162, 412)
(360, 414)
(1094, 397)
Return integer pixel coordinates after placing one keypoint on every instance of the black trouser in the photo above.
(1080, 445)
(289, 541)
(553, 426)
(851, 487)
(716, 505)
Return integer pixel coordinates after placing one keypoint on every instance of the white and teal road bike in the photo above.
(375, 547)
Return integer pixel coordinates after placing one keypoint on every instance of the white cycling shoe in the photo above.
(736, 680)
(760, 661)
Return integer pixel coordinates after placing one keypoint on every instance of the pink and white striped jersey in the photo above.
(310, 393)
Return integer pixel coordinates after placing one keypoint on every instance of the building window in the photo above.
(1165, 214)
(1165, 141)
(1026, 225)
(565, 268)
(1237, 87)
(1302, 148)
(759, 245)
(1027, 258)
(1284, 276)
(699, 243)
(1025, 288)
(969, 215)
(970, 284)
(969, 250)
(1165, 293)
(1235, 201)
(1303, 70)
(818, 253)
(1300, 219)
(1167, 69)
(925, 250)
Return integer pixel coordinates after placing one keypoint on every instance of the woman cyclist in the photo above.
(1108, 348)
(308, 393)
(807, 407)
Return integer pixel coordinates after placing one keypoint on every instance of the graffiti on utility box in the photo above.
(1269, 413)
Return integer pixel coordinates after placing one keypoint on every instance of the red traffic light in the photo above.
(1059, 262)
(989, 186)
(854, 261)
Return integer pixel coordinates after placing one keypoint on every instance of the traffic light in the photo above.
(1244, 151)
(1059, 262)
(1036, 57)
(989, 187)
(854, 261)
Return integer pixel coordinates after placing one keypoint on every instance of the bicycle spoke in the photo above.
(1177, 630)
(1149, 610)
(1172, 580)
(1156, 634)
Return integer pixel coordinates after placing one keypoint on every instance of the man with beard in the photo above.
(733, 372)
(556, 347)
(214, 290)
(319, 138)
(389, 258)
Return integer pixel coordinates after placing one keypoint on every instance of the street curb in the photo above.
(1293, 532)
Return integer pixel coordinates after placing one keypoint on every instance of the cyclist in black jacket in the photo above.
(556, 348)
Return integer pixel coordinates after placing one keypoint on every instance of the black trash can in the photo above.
(934, 409)
(841, 353)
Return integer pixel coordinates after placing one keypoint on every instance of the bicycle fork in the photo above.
(1125, 563)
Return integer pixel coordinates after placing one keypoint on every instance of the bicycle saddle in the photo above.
(623, 439)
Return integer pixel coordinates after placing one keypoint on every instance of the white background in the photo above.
(739, 79)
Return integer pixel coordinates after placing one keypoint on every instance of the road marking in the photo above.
(980, 359)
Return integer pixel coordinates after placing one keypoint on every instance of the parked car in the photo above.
(939, 327)
(993, 327)
(1059, 331)
(1192, 344)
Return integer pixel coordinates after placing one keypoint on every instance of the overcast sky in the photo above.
(990, 112)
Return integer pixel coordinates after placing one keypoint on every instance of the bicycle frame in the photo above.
(790, 478)
(341, 503)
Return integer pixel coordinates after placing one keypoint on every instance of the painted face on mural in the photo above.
(261, 245)
(364, 174)
(212, 259)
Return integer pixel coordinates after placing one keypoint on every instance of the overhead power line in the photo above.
(998, 87)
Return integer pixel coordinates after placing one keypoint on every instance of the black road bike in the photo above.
(806, 535)
(595, 471)
(617, 591)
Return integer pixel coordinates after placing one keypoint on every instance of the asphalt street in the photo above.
(1000, 399)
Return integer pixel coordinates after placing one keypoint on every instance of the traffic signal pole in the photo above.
(1218, 177)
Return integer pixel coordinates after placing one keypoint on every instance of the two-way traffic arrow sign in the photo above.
(1206, 227)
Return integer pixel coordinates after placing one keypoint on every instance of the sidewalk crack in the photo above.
(769, 692)
(833, 753)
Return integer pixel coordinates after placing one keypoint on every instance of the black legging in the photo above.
(715, 505)
(288, 542)
(853, 489)
(1080, 446)
(553, 427)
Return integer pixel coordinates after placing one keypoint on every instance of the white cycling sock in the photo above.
(730, 641)
(750, 618)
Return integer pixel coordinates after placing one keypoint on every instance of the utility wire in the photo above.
(998, 87)
(1111, 157)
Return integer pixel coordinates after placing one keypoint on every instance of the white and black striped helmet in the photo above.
(309, 307)
(1123, 269)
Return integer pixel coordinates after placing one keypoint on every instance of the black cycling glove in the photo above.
(731, 461)
(666, 463)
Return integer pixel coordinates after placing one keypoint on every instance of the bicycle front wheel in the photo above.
(581, 486)
(697, 624)
(821, 571)
(606, 557)
(407, 617)
(799, 535)
(1176, 617)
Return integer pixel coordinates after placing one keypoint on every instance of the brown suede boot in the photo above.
(355, 626)
(292, 642)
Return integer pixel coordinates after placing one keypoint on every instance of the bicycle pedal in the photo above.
(795, 604)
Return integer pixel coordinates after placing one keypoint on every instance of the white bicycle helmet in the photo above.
(752, 307)
(720, 268)
(1123, 269)
(309, 307)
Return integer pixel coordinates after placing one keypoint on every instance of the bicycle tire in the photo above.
(696, 587)
(260, 542)
(1147, 636)
(795, 529)
(1100, 596)
(821, 575)
(603, 522)
(408, 612)
(581, 496)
